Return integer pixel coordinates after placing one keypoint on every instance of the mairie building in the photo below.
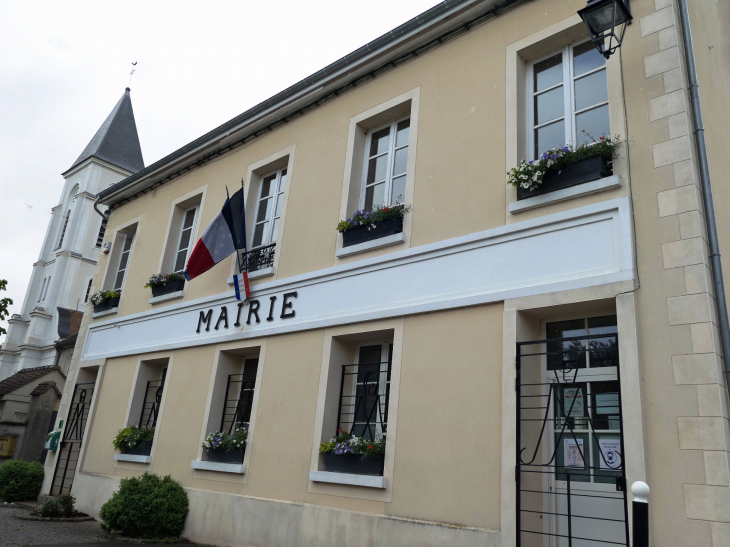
(527, 355)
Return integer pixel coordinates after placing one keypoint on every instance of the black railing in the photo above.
(260, 258)
(364, 395)
(238, 402)
(151, 403)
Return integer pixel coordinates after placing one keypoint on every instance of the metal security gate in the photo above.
(571, 481)
(73, 435)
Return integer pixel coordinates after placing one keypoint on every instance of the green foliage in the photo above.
(129, 437)
(62, 506)
(4, 303)
(160, 279)
(20, 480)
(149, 506)
(223, 441)
(530, 174)
(345, 443)
(378, 214)
(103, 296)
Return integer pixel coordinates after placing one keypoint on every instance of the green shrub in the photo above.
(147, 506)
(20, 480)
(62, 506)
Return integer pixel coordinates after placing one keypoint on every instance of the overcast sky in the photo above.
(64, 65)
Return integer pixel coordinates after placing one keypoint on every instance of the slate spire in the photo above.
(116, 141)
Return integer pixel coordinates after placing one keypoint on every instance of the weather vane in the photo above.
(134, 67)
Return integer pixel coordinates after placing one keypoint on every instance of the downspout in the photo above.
(105, 217)
(699, 132)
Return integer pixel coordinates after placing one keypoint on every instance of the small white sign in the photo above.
(606, 403)
(573, 453)
(573, 401)
(611, 450)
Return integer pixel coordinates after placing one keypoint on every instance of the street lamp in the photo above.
(602, 18)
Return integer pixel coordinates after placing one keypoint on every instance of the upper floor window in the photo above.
(40, 294)
(185, 240)
(386, 161)
(568, 99)
(88, 290)
(268, 208)
(63, 229)
(102, 231)
(123, 261)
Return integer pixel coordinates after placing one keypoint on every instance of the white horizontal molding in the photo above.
(582, 247)
(220, 467)
(379, 243)
(599, 185)
(370, 481)
(165, 297)
(132, 458)
(110, 311)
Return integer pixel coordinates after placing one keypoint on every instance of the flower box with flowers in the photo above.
(105, 300)
(379, 222)
(347, 453)
(564, 167)
(225, 447)
(165, 283)
(135, 440)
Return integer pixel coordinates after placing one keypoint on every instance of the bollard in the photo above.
(640, 511)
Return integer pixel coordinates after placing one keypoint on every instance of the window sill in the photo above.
(220, 467)
(369, 481)
(600, 185)
(104, 313)
(165, 297)
(132, 458)
(263, 272)
(370, 245)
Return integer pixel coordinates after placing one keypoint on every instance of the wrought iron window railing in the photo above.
(261, 257)
(151, 403)
(364, 396)
(238, 401)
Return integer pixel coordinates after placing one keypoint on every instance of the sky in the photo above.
(64, 65)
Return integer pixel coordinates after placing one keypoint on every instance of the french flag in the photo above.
(221, 239)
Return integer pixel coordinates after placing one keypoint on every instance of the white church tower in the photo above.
(62, 274)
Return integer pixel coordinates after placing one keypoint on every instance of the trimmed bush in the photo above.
(62, 506)
(20, 481)
(148, 506)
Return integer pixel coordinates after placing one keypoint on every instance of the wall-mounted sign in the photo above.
(248, 311)
(573, 402)
(610, 457)
(573, 453)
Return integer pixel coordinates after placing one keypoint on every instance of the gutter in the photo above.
(317, 80)
(710, 221)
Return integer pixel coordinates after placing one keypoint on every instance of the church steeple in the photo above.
(116, 141)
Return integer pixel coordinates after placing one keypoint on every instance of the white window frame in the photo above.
(180, 235)
(119, 263)
(568, 97)
(393, 124)
(269, 236)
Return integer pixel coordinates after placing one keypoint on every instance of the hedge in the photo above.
(20, 480)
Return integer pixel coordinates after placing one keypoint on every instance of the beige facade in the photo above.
(474, 272)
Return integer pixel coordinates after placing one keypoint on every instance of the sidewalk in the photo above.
(16, 533)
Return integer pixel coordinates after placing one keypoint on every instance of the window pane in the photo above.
(275, 231)
(549, 72)
(370, 354)
(403, 132)
(184, 240)
(603, 351)
(374, 195)
(189, 217)
(377, 167)
(379, 142)
(401, 159)
(399, 189)
(549, 106)
(282, 182)
(586, 58)
(266, 185)
(550, 136)
(593, 123)
(258, 234)
(591, 90)
(118, 281)
(566, 355)
(278, 199)
(123, 261)
(128, 242)
(180, 261)
(264, 210)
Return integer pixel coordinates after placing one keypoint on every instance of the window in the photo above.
(152, 401)
(123, 261)
(572, 354)
(239, 397)
(185, 240)
(568, 99)
(386, 161)
(40, 294)
(268, 209)
(88, 290)
(63, 229)
(45, 292)
(102, 231)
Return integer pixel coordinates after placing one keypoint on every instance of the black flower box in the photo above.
(107, 304)
(361, 234)
(143, 449)
(226, 456)
(171, 286)
(572, 174)
(354, 464)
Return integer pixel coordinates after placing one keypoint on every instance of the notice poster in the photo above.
(573, 453)
(606, 403)
(573, 401)
(611, 449)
